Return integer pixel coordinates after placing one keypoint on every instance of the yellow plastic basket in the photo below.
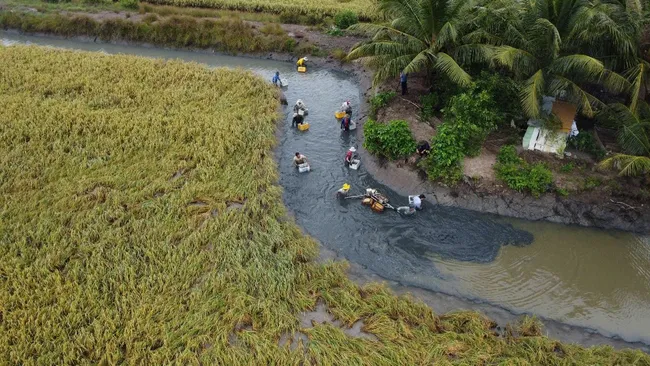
(339, 115)
(302, 69)
(303, 126)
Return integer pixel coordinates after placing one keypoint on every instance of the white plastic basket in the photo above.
(303, 168)
(354, 164)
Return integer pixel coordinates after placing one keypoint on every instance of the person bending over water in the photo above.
(349, 156)
(416, 201)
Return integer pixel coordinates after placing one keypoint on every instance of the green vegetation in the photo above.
(129, 4)
(541, 49)
(164, 10)
(318, 10)
(563, 48)
(422, 36)
(230, 35)
(429, 104)
(592, 182)
(469, 118)
(634, 138)
(392, 140)
(586, 142)
(345, 19)
(379, 101)
(521, 176)
(567, 168)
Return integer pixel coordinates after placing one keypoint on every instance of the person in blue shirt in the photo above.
(276, 79)
(402, 80)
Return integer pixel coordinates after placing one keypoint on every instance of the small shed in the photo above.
(552, 141)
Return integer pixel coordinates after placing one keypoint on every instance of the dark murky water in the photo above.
(580, 276)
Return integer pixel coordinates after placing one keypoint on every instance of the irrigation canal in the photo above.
(584, 277)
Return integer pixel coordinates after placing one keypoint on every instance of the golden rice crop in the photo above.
(365, 9)
(141, 222)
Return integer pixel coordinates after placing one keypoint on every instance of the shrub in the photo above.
(468, 119)
(476, 115)
(445, 160)
(508, 155)
(521, 176)
(345, 19)
(562, 192)
(379, 101)
(505, 93)
(429, 104)
(392, 140)
(129, 4)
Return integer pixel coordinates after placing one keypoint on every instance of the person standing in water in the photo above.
(345, 123)
(299, 159)
(347, 108)
(276, 79)
(349, 156)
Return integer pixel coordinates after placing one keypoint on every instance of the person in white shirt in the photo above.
(416, 201)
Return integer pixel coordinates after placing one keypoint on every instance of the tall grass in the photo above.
(230, 35)
(141, 222)
(365, 9)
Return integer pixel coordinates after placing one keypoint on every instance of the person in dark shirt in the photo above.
(345, 123)
(423, 148)
(402, 80)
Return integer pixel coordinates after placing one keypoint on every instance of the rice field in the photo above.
(365, 9)
(141, 222)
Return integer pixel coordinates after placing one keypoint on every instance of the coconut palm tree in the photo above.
(422, 35)
(634, 138)
(539, 49)
(608, 30)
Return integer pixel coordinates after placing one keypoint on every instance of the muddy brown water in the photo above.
(590, 278)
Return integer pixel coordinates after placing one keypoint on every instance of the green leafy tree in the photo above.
(542, 48)
(634, 138)
(422, 35)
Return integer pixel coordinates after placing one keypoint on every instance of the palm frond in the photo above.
(451, 69)
(474, 53)
(448, 35)
(531, 94)
(559, 85)
(628, 165)
(516, 59)
(586, 67)
(544, 33)
(638, 76)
